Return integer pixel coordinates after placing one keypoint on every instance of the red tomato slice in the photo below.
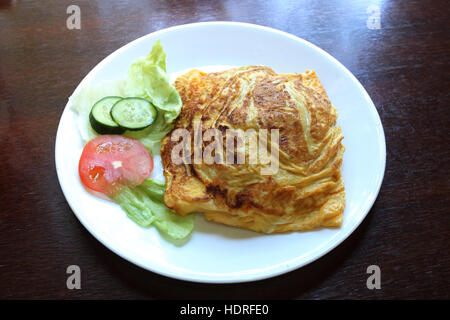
(109, 162)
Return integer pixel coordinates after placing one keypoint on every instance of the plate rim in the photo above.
(247, 277)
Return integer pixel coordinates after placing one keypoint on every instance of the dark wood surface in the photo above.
(404, 66)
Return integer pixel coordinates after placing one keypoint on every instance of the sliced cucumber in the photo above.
(133, 113)
(100, 116)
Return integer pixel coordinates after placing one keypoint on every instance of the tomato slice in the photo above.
(109, 162)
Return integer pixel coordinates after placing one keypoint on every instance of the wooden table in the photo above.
(404, 66)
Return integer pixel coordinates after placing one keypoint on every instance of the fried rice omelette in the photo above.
(307, 191)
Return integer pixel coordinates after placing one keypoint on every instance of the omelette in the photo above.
(305, 192)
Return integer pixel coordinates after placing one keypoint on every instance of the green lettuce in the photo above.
(144, 205)
(146, 78)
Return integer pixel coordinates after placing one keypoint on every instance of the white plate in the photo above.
(216, 253)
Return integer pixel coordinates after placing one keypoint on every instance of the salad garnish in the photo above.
(122, 123)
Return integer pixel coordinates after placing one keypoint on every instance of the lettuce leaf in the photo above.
(144, 205)
(146, 78)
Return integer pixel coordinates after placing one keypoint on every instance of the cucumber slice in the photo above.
(134, 113)
(100, 116)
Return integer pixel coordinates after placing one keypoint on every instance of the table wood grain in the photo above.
(404, 66)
